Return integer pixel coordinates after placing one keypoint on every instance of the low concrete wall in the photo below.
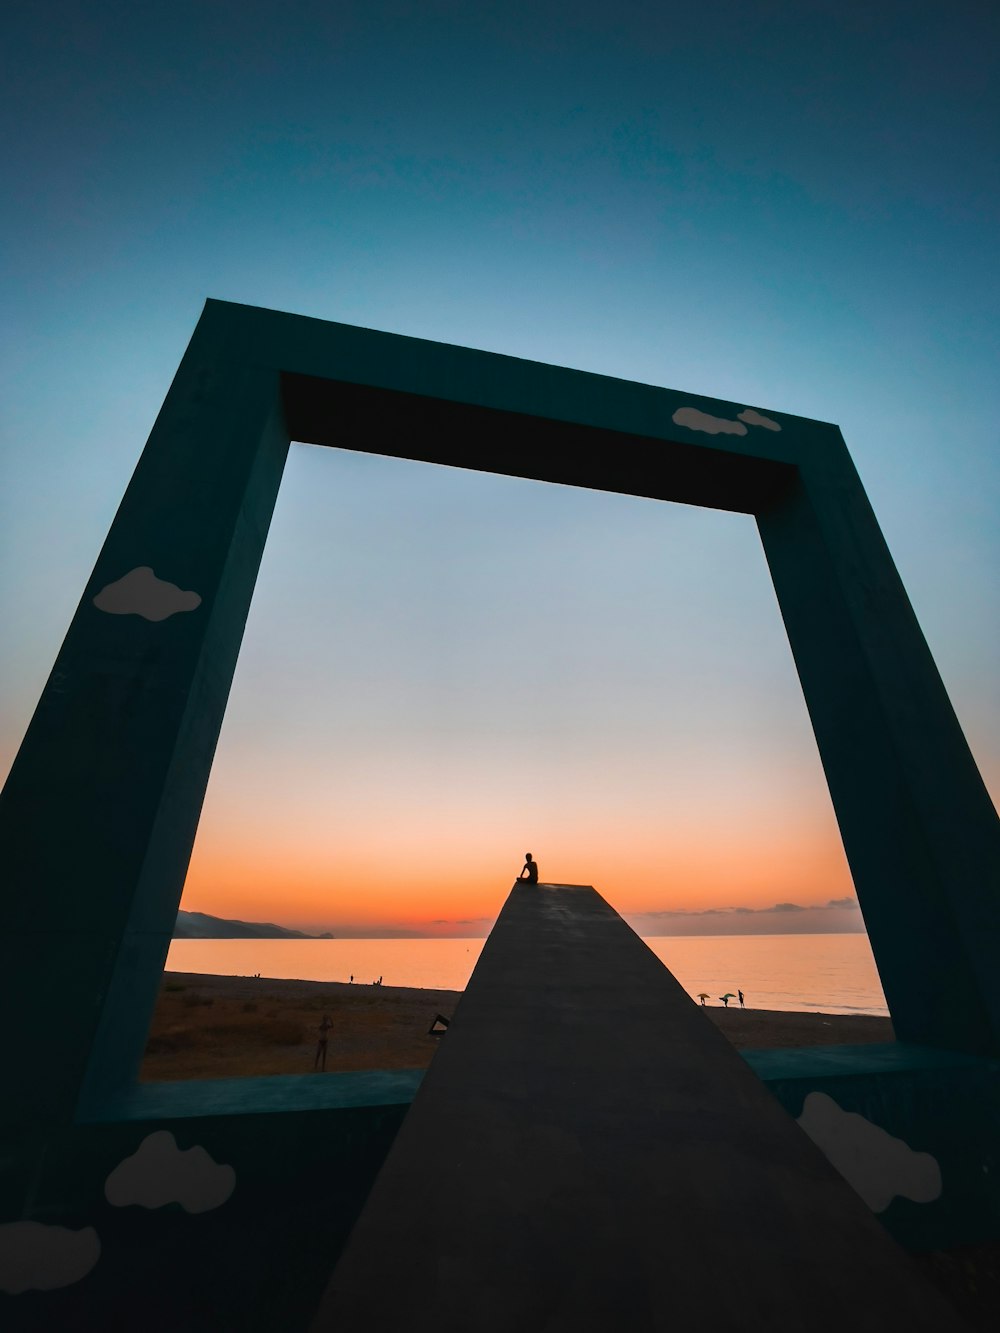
(217, 1215)
(913, 1129)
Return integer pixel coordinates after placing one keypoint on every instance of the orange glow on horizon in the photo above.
(459, 889)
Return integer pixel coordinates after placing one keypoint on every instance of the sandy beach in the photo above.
(235, 1027)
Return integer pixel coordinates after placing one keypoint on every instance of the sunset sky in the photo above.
(791, 204)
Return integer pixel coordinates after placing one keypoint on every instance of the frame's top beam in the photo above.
(386, 393)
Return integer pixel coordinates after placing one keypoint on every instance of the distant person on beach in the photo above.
(324, 1028)
(530, 871)
(725, 1000)
(351, 982)
(740, 994)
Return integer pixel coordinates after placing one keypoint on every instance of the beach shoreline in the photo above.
(211, 1026)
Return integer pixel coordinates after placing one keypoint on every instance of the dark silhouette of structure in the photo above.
(99, 814)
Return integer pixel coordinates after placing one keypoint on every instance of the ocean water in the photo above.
(833, 974)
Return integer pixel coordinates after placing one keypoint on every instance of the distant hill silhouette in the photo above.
(200, 926)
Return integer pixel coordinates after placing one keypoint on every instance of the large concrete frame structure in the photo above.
(98, 817)
(99, 814)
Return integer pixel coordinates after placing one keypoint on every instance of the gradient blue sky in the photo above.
(790, 204)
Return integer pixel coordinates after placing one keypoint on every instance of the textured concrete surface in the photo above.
(588, 1153)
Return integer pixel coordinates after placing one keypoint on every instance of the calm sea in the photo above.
(834, 974)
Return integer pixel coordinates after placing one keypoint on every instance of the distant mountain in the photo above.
(199, 926)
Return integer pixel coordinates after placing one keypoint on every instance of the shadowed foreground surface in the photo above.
(584, 1150)
(215, 1027)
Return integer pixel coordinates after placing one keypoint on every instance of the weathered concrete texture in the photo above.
(588, 1153)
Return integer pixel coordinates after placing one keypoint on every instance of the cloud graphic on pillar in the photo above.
(159, 1172)
(37, 1257)
(694, 419)
(141, 593)
(876, 1165)
(754, 418)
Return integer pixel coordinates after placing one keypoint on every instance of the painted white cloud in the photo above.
(159, 1172)
(876, 1165)
(754, 418)
(696, 420)
(37, 1257)
(141, 593)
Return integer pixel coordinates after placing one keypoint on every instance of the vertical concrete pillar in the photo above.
(99, 814)
(919, 829)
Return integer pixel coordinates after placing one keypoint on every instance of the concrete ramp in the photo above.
(587, 1154)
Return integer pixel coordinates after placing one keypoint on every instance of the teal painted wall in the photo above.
(259, 1258)
(254, 1261)
(901, 1122)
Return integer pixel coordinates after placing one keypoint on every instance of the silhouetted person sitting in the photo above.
(530, 871)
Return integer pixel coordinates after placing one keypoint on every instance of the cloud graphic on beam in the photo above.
(694, 419)
(141, 593)
(754, 418)
(874, 1163)
(37, 1257)
(159, 1172)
